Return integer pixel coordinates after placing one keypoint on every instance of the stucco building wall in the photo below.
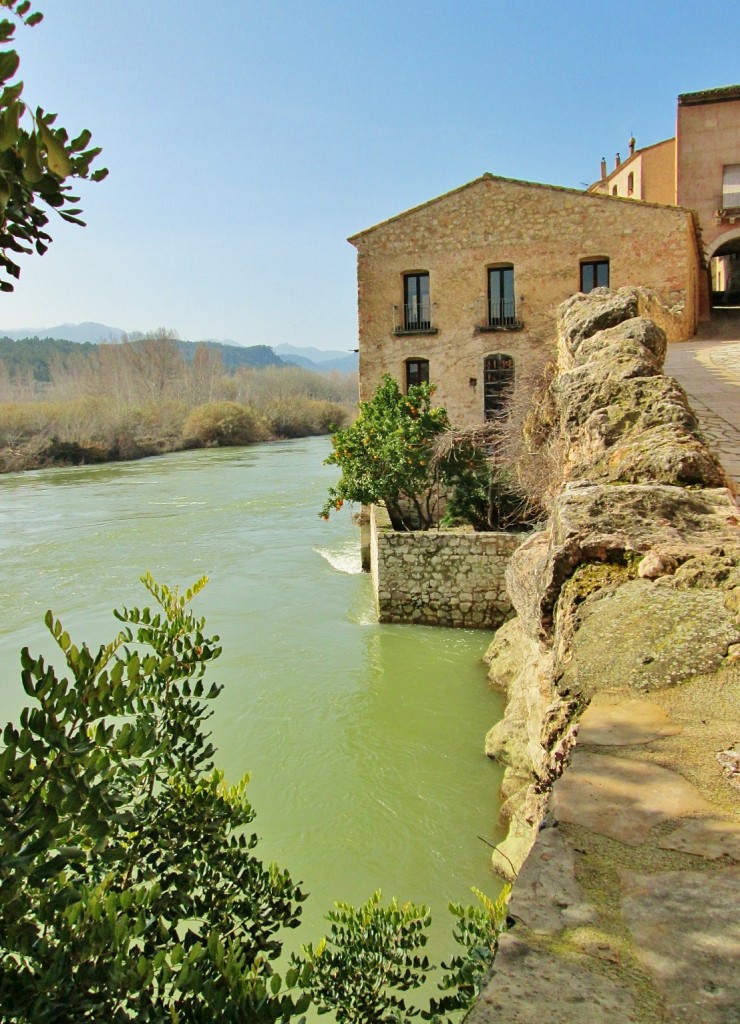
(544, 232)
(653, 171)
(708, 140)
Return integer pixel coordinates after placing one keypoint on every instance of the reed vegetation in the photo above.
(139, 398)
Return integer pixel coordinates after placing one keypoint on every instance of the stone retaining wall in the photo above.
(440, 577)
(620, 736)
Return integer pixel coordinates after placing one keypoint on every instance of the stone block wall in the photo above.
(440, 577)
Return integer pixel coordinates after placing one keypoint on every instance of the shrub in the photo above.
(223, 424)
(302, 417)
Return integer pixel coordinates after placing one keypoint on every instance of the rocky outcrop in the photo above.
(628, 609)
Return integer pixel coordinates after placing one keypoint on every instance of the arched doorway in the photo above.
(724, 270)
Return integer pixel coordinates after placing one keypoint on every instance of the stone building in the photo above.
(461, 291)
(698, 169)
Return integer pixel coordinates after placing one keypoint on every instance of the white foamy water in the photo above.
(344, 557)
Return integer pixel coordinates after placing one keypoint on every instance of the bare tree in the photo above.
(156, 363)
(204, 374)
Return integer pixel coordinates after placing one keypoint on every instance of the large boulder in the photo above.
(582, 316)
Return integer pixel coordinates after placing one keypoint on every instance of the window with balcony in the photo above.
(498, 384)
(730, 187)
(417, 372)
(417, 308)
(501, 302)
(594, 274)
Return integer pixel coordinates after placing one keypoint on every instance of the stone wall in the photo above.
(622, 669)
(544, 232)
(440, 577)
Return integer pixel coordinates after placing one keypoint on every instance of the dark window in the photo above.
(630, 183)
(417, 309)
(501, 303)
(614, 190)
(594, 274)
(498, 383)
(417, 372)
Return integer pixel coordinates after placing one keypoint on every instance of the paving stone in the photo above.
(622, 798)
(547, 897)
(711, 838)
(528, 986)
(708, 368)
(625, 724)
(686, 929)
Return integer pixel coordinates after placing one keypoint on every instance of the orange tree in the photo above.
(385, 455)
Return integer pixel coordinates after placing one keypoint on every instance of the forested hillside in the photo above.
(37, 355)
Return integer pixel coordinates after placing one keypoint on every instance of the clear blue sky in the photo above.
(247, 139)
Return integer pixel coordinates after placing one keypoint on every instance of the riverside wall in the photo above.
(622, 670)
(450, 577)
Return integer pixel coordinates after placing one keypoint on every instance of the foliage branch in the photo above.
(36, 160)
(129, 889)
(372, 956)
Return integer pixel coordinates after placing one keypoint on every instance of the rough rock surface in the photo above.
(628, 607)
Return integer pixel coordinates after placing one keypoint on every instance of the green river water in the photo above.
(364, 742)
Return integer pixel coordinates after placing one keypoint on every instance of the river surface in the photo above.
(364, 742)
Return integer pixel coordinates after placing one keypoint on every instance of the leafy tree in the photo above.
(36, 160)
(129, 889)
(385, 455)
(129, 886)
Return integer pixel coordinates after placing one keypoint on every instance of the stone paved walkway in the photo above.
(708, 368)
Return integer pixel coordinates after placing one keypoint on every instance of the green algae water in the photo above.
(364, 742)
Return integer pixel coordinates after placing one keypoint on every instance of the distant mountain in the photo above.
(317, 359)
(87, 332)
(233, 356)
(35, 354)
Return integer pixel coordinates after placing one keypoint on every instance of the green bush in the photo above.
(223, 424)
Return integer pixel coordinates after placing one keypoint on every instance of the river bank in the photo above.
(135, 400)
(89, 432)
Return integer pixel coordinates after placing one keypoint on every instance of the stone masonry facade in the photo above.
(440, 578)
(543, 234)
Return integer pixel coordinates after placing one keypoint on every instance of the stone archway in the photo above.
(723, 255)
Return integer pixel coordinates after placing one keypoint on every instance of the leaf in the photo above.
(9, 63)
(56, 157)
(82, 140)
(33, 171)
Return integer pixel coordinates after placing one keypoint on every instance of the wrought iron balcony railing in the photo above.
(497, 315)
(413, 318)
